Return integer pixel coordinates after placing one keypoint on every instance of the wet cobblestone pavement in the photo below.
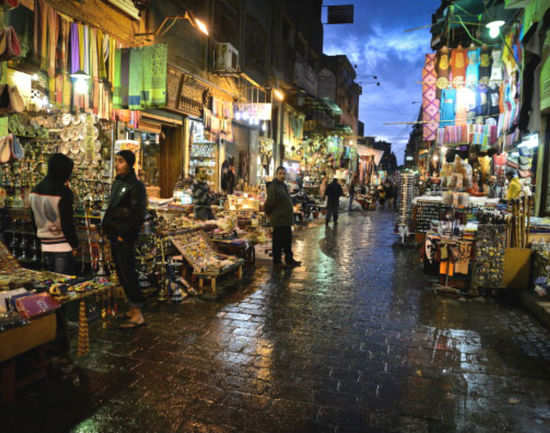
(350, 342)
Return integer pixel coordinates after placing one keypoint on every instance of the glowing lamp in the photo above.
(494, 28)
(201, 26)
(279, 94)
(81, 82)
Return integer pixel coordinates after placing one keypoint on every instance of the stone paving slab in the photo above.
(350, 342)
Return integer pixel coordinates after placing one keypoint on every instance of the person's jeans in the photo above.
(62, 263)
(282, 241)
(332, 213)
(124, 256)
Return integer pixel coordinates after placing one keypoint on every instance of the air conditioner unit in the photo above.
(227, 58)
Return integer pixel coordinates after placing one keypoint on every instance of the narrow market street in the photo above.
(350, 342)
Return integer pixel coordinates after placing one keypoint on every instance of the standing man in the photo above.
(52, 210)
(122, 223)
(278, 207)
(333, 193)
(352, 192)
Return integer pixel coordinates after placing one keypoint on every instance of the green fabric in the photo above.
(529, 16)
(117, 93)
(135, 85)
(147, 91)
(159, 72)
(545, 86)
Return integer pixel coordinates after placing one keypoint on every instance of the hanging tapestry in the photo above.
(430, 103)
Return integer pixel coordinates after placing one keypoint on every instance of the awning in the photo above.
(369, 151)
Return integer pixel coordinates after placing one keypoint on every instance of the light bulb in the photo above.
(494, 28)
(81, 86)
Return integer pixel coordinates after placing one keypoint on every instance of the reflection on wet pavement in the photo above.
(350, 342)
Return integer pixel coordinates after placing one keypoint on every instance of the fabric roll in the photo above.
(81, 56)
(86, 48)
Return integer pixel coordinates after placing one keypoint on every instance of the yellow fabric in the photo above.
(514, 189)
(81, 45)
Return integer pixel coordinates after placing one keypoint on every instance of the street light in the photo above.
(279, 94)
(169, 22)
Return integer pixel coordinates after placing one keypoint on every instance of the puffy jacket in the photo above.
(127, 206)
(52, 207)
(278, 205)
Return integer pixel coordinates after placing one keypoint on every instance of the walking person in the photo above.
(52, 210)
(122, 223)
(280, 210)
(333, 194)
(389, 190)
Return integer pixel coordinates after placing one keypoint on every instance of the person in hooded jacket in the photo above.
(52, 211)
(333, 193)
(202, 198)
(122, 223)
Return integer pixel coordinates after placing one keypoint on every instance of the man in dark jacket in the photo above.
(52, 209)
(333, 193)
(122, 223)
(278, 207)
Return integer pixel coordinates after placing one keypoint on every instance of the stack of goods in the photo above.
(476, 95)
(490, 245)
(407, 192)
(198, 252)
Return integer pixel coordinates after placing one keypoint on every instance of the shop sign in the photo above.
(184, 94)
(253, 111)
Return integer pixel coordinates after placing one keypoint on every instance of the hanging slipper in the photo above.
(5, 149)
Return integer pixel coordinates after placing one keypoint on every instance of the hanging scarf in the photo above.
(53, 35)
(160, 71)
(135, 82)
(75, 49)
(101, 58)
(430, 103)
(81, 46)
(116, 66)
(147, 90)
(44, 13)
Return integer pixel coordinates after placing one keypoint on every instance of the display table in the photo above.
(17, 341)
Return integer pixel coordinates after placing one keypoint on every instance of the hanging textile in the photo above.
(147, 90)
(496, 68)
(53, 35)
(485, 65)
(472, 71)
(459, 62)
(443, 69)
(124, 75)
(430, 103)
(135, 82)
(75, 50)
(160, 71)
(448, 103)
(117, 92)
(81, 55)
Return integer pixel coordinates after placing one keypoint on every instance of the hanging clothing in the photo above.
(496, 68)
(485, 65)
(448, 103)
(472, 71)
(459, 62)
(135, 82)
(493, 97)
(160, 71)
(430, 103)
(443, 69)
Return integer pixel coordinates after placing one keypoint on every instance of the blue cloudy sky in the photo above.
(378, 45)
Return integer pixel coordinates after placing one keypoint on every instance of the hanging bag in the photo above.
(10, 47)
(5, 149)
(17, 151)
(17, 105)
